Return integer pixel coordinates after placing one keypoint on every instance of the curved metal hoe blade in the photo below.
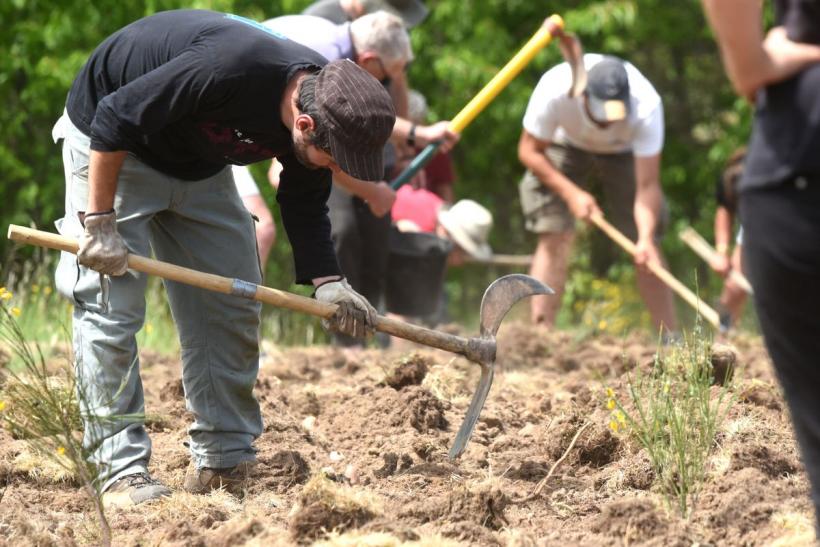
(499, 297)
(502, 295)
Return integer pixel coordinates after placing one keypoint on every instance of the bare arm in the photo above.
(531, 152)
(723, 230)
(425, 134)
(752, 62)
(103, 172)
(723, 237)
(648, 196)
(378, 195)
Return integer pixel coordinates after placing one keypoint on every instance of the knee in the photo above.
(555, 243)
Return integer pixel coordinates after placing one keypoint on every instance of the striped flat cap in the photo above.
(360, 117)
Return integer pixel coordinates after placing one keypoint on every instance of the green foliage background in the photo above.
(458, 49)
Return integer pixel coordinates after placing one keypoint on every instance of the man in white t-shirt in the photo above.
(605, 141)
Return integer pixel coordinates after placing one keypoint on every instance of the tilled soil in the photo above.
(355, 444)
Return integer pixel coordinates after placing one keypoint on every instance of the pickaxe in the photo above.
(499, 297)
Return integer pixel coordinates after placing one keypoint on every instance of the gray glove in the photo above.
(355, 316)
(101, 247)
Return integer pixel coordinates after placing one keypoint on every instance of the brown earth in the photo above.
(355, 451)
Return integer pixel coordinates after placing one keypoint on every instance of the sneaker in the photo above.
(206, 479)
(133, 490)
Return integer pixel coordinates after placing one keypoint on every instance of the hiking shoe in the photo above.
(133, 490)
(232, 479)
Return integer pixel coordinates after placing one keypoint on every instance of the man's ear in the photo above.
(304, 123)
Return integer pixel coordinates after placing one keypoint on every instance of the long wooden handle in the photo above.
(700, 306)
(238, 287)
(552, 25)
(708, 253)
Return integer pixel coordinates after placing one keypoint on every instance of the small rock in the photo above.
(528, 430)
(336, 457)
(309, 423)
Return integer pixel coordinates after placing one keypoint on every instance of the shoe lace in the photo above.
(140, 479)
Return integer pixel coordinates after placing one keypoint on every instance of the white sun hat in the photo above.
(468, 224)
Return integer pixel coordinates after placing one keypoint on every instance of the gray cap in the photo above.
(607, 90)
(360, 118)
(412, 12)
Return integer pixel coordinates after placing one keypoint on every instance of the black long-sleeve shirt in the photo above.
(188, 92)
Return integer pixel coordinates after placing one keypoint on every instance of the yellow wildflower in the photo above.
(5, 295)
(2, 406)
(47, 290)
(610, 393)
(613, 425)
(610, 404)
(60, 450)
(35, 288)
(620, 417)
(601, 325)
(16, 312)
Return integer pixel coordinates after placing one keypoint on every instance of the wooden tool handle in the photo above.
(700, 306)
(708, 253)
(245, 289)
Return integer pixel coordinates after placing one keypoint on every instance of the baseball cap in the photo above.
(412, 12)
(607, 90)
(360, 118)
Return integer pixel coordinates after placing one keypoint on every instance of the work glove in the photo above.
(354, 317)
(101, 247)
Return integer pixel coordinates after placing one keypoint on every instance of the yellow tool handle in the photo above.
(504, 76)
(700, 306)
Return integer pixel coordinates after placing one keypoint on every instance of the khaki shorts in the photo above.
(608, 177)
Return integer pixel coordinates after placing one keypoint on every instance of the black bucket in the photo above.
(415, 272)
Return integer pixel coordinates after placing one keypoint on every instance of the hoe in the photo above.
(499, 297)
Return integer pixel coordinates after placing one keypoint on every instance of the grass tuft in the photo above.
(675, 411)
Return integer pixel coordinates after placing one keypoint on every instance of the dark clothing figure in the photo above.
(780, 211)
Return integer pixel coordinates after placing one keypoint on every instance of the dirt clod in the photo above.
(631, 520)
(724, 358)
(288, 467)
(481, 504)
(759, 456)
(410, 371)
(420, 409)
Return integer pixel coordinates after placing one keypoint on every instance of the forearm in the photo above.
(738, 28)
(647, 210)
(536, 161)
(723, 230)
(103, 173)
(360, 188)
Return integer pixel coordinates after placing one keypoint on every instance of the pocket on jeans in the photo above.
(86, 289)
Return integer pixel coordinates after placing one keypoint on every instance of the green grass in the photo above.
(674, 411)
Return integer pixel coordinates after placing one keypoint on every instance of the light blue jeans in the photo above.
(196, 224)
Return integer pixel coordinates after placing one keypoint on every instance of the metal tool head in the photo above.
(499, 297)
(502, 295)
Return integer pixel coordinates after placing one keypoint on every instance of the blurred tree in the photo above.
(458, 49)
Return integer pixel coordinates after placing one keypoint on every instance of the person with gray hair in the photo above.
(379, 43)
